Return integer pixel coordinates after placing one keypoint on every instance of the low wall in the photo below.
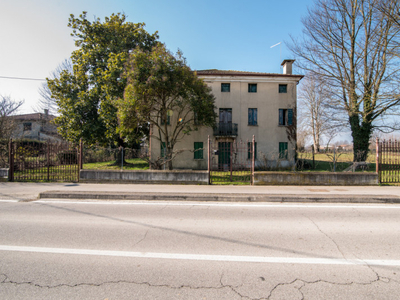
(150, 176)
(315, 178)
(3, 174)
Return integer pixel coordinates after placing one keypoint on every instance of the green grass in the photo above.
(224, 178)
(133, 164)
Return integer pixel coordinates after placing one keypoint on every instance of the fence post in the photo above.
(377, 159)
(334, 159)
(313, 161)
(11, 161)
(48, 160)
(80, 162)
(122, 158)
(253, 159)
(230, 158)
(209, 159)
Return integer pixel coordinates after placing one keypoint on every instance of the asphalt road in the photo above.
(189, 250)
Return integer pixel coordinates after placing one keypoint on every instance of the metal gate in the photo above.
(43, 161)
(231, 161)
(388, 161)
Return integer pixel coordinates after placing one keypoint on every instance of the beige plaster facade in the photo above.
(242, 95)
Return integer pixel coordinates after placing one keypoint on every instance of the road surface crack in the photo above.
(142, 239)
(333, 241)
(7, 280)
(300, 283)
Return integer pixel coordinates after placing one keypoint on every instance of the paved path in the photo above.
(32, 191)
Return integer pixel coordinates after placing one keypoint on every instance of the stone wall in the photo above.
(165, 177)
(315, 178)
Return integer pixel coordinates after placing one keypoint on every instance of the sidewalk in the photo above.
(81, 191)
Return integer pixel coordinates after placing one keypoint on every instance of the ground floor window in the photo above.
(249, 150)
(198, 150)
(283, 150)
(163, 149)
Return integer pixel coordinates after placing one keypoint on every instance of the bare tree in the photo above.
(317, 115)
(353, 46)
(46, 100)
(8, 107)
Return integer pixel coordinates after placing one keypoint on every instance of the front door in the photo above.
(224, 156)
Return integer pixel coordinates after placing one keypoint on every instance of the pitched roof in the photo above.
(33, 117)
(216, 72)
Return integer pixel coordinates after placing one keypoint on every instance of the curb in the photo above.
(218, 197)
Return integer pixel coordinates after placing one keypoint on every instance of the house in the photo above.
(248, 103)
(35, 126)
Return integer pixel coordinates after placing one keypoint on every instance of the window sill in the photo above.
(256, 125)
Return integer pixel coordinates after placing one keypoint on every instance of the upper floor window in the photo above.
(252, 87)
(283, 88)
(225, 87)
(27, 126)
(252, 116)
(285, 117)
(168, 119)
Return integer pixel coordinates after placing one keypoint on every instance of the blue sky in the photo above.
(219, 34)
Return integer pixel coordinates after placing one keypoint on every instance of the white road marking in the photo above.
(220, 204)
(200, 257)
(7, 200)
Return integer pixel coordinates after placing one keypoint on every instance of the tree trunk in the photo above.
(120, 154)
(361, 135)
(169, 158)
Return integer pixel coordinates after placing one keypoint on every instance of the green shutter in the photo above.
(162, 149)
(283, 153)
(198, 150)
(290, 116)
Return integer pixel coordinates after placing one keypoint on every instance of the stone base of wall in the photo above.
(161, 177)
(3, 174)
(315, 178)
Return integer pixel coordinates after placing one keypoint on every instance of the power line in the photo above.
(21, 78)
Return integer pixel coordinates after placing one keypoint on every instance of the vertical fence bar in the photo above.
(48, 160)
(253, 159)
(231, 157)
(377, 160)
(80, 154)
(209, 160)
(10, 161)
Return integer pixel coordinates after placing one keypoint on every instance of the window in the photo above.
(285, 117)
(252, 116)
(283, 151)
(198, 150)
(225, 87)
(168, 120)
(283, 88)
(249, 150)
(163, 149)
(27, 126)
(252, 87)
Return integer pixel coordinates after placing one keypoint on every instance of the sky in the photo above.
(212, 34)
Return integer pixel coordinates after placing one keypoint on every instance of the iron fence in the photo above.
(388, 158)
(231, 161)
(43, 161)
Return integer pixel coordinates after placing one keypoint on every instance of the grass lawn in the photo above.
(238, 177)
(133, 164)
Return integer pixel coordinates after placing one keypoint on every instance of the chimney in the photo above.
(287, 66)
